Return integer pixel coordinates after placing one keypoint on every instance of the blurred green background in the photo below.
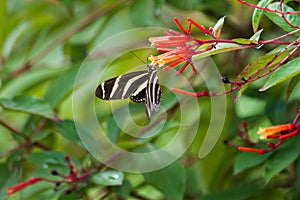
(43, 44)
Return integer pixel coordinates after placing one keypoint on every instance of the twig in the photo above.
(4, 124)
(267, 9)
(68, 33)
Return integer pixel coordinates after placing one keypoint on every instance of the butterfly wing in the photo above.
(123, 86)
(153, 93)
(139, 86)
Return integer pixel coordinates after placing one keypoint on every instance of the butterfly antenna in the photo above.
(138, 57)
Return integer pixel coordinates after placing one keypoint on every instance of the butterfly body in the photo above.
(138, 86)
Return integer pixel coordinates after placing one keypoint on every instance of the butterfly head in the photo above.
(151, 67)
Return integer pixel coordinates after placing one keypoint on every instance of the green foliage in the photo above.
(28, 104)
(109, 178)
(258, 14)
(292, 19)
(43, 46)
(286, 71)
(276, 164)
(257, 64)
(247, 160)
(174, 180)
(67, 129)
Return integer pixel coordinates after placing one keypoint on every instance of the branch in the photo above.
(267, 9)
(68, 33)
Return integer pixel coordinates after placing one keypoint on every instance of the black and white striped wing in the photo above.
(139, 86)
(153, 93)
(124, 86)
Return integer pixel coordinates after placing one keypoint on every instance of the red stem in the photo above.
(4, 124)
(280, 37)
(251, 78)
(266, 9)
(296, 118)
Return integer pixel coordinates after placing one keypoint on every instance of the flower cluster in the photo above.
(179, 47)
(281, 132)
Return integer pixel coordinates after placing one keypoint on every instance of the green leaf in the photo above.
(257, 14)
(60, 87)
(256, 65)
(123, 190)
(247, 160)
(219, 48)
(187, 5)
(254, 38)
(109, 178)
(277, 19)
(8, 178)
(113, 129)
(41, 135)
(169, 180)
(293, 83)
(29, 104)
(11, 40)
(28, 80)
(285, 72)
(218, 27)
(67, 129)
(47, 159)
(294, 192)
(282, 158)
(243, 192)
(275, 109)
(242, 41)
(158, 4)
(144, 17)
(78, 194)
(195, 180)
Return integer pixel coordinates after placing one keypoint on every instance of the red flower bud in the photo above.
(20, 186)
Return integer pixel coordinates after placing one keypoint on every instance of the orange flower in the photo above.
(272, 130)
(166, 58)
(176, 48)
(179, 47)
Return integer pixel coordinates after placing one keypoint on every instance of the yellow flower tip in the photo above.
(161, 62)
(150, 39)
(156, 60)
(151, 58)
(267, 131)
(263, 133)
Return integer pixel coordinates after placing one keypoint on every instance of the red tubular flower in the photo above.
(20, 186)
(193, 94)
(178, 47)
(176, 20)
(200, 27)
(248, 149)
(269, 132)
(281, 132)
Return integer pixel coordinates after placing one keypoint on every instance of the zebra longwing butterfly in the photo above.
(139, 86)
